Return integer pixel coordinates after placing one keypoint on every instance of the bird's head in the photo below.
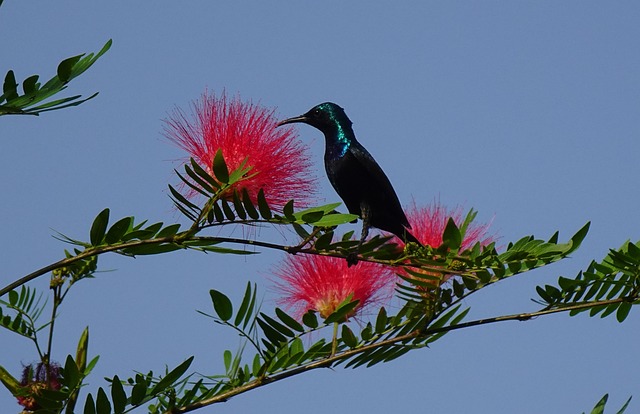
(327, 117)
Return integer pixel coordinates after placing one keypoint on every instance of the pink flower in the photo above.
(428, 224)
(34, 380)
(281, 164)
(321, 283)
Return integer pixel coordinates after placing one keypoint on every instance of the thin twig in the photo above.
(329, 361)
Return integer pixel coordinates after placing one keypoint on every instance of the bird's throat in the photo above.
(338, 142)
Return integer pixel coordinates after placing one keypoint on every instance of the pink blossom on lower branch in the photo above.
(280, 161)
(34, 380)
(321, 283)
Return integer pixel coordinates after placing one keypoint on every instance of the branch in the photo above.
(176, 239)
(83, 255)
(329, 361)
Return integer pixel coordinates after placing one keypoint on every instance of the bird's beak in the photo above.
(300, 118)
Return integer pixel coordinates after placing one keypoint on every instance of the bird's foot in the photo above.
(352, 259)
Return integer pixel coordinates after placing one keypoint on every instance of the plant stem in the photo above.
(56, 302)
(334, 343)
(328, 362)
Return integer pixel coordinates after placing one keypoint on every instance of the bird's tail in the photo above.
(408, 237)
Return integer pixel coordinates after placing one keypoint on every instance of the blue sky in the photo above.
(526, 111)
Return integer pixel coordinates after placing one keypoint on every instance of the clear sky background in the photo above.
(526, 111)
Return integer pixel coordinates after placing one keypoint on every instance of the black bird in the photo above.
(354, 174)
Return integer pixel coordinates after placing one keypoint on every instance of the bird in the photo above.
(354, 173)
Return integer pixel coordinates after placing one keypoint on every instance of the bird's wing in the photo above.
(371, 166)
(382, 181)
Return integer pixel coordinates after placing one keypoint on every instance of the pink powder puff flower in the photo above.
(34, 380)
(281, 164)
(321, 283)
(428, 224)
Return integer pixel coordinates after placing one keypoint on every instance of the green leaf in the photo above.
(610, 309)
(118, 396)
(324, 241)
(344, 309)
(553, 292)
(272, 334)
(312, 217)
(330, 220)
(459, 317)
(13, 297)
(89, 405)
(310, 319)
(227, 210)
(287, 210)
(246, 307)
(543, 294)
(227, 356)
(71, 373)
(217, 212)
(170, 230)
(577, 238)
(117, 230)
(623, 311)
(624, 407)
(10, 86)
(226, 250)
(194, 186)
(190, 395)
(367, 332)
(82, 350)
(452, 236)
(58, 104)
(296, 346)
(381, 320)
(442, 320)
(150, 249)
(348, 337)
(65, 67)
(91, 365)
(206, 185)
(30, 85)
(34, 93)
(300, 230)
(313, 214)
(280, 361)
(220, 169)
(241, 172)
(633, 250)
(102, 402)
(99, 227)
(599, 408)
(248, 205)
(180, 200)
(153, 229)
(257, 366)
(221, 304)
(139, 391)
(289, 321)
(204, 174)
(281, 328)
(172, 376)
(263, 206)
(567, 284)
(237, 205)
(9, 381)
